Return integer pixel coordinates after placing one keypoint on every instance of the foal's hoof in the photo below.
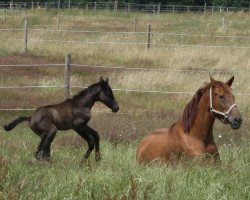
(84, 163)
(40, 155)
(97, 158)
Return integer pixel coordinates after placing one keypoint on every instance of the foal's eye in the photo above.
(221, 97)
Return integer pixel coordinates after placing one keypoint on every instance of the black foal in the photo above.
(70, 114)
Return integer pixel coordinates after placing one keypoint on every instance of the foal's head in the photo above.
(222, 103)
(106, 95)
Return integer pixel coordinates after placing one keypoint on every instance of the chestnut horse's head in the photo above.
(222, 103)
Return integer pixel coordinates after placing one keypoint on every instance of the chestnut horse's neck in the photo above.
(197, 120)
(203, 121)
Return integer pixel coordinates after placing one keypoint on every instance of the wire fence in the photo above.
(151, 38)
(197, 70)
(67, 84)
(244, 72)
(114, 89)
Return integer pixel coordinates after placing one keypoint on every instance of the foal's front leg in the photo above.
(83, 132)
(96, 137)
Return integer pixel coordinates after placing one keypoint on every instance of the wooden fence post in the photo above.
(95, 6)
(58, 4)
(115, 6)
(5, 15)
(149, 34)
(25, 47)
(11, 5)
(205, 7)
(135, 24)
(159, 8)
(129, 8)
(58, 21)
(32, 5)
(69, 4)
(223, 23)
(67, 76)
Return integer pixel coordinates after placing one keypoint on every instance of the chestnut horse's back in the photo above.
(156, 146)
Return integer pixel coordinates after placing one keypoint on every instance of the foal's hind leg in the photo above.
(47, 132)
(38, 151)
(47, 144)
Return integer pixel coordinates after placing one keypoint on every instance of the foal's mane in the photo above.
(190, 111)
(84, 91)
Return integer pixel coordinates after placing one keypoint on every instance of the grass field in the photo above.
(118, 176)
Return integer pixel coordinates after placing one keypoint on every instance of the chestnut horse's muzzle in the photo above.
(235, 122)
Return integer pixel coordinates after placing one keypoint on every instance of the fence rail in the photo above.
(119, 6)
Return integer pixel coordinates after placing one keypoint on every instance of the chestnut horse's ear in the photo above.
(107, 80)
(212, 80)
(230, 81)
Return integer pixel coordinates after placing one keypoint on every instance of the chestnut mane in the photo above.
(190, 111)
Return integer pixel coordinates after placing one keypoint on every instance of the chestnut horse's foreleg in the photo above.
(212, 150)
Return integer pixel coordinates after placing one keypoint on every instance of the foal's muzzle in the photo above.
(115, 107)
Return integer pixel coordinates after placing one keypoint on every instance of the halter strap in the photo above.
(212, 110)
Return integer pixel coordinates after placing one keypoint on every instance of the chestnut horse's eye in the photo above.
(222, 97)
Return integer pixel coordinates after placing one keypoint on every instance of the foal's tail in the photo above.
(15, 122)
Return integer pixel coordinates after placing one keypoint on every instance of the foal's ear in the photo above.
(212, 80)
(107, 80)
(230, 81)
(101, 80)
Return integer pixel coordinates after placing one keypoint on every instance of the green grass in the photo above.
(117, 176)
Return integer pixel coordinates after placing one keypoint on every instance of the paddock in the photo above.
(152, 86)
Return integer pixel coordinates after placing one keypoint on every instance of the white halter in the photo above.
(212, 110)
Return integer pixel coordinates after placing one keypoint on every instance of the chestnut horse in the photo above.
(192, 134)
(70, 114)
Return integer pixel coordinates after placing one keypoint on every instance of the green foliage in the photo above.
(231, 3)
